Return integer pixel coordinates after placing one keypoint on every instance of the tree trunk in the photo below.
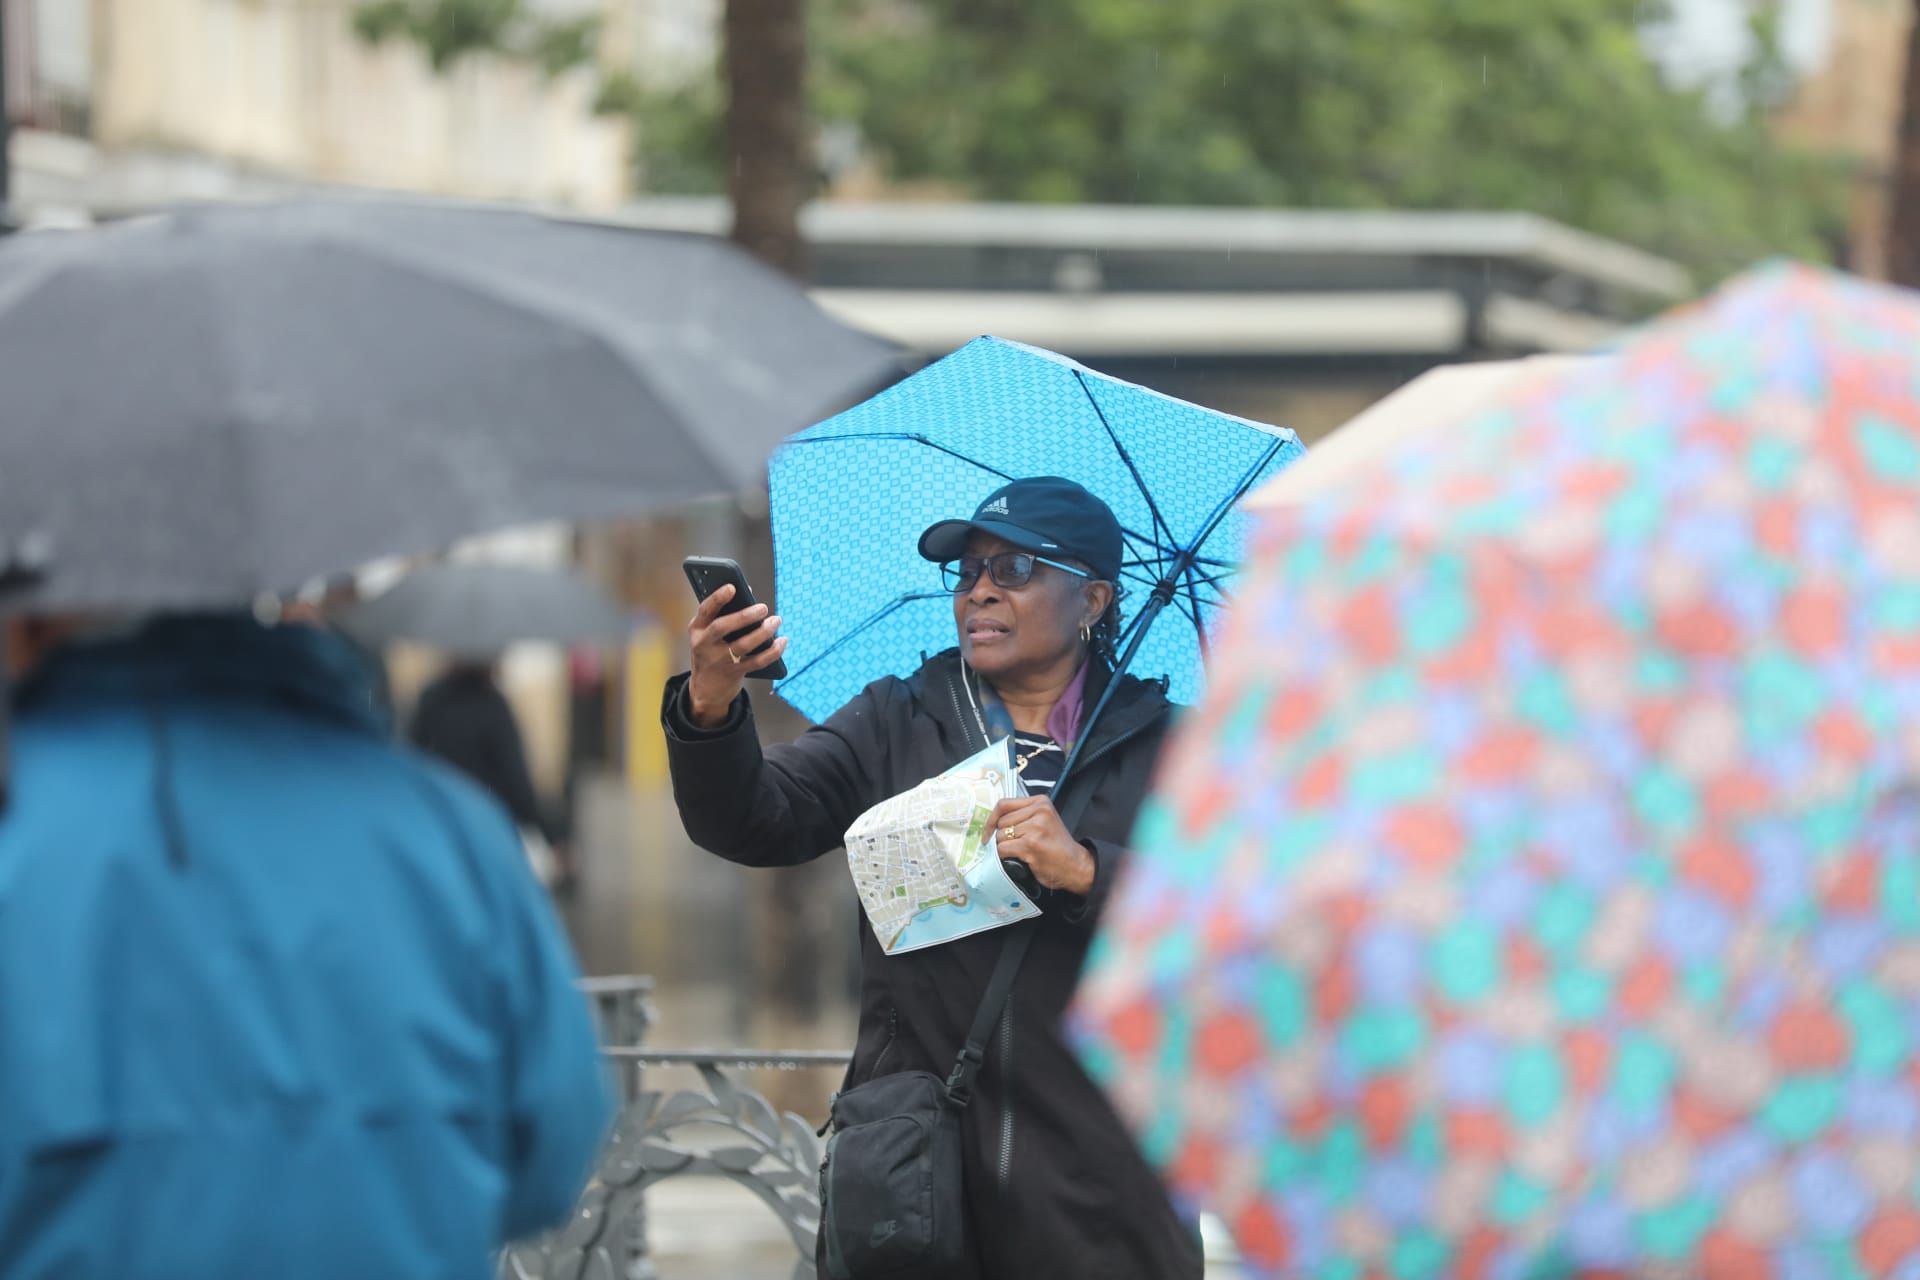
(1903, 226)
(6, 125)
(768, 176)
(768, 166)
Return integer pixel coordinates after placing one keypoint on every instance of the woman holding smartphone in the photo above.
(1054, 1186)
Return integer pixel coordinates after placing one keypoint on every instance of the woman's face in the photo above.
(1007, 631)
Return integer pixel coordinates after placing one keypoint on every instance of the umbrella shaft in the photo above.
(1162, 596)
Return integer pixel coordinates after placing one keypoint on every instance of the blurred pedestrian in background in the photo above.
(275, 995)
(464, 718)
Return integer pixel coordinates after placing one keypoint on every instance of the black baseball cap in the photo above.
(1043, 514)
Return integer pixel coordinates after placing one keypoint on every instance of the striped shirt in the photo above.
(1038, 759)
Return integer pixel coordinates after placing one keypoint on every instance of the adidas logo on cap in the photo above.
(998, 507)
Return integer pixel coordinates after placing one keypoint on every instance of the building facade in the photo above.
(124, 105)
(1299, 317)
(1849, 105)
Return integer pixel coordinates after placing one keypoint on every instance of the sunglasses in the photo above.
(1010, 569)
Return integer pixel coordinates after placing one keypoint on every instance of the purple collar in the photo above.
(1063, 722)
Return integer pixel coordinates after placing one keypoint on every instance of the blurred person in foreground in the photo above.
(1054, 1185)
(276, 996)
(323, 604)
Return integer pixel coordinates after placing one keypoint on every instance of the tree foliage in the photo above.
(1552, 106)
(448, 30)
(1549, 106)
(678, 127)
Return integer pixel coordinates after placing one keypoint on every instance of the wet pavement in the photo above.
(708, 1229)
(650, 903)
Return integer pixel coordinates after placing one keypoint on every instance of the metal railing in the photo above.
(721, 1130)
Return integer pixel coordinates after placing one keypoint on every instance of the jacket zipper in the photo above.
(893, 1037)
(1004, 1166)
(960, 715)
(1006, 1094)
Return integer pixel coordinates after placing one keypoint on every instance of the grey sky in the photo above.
(1709, 37)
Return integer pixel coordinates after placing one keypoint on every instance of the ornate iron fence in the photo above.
(721, 1130)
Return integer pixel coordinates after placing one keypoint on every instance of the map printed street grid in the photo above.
(924, 861)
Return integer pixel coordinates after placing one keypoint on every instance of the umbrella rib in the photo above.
(1200, 577)
(1197, 577)
(892, 606)
(1200, 634)
(1189, 607)
(1191, 554)
(1194, 574)
(1161, 550)
(1159, 522)
(495, 293)
(908, 436)
(1163, 594)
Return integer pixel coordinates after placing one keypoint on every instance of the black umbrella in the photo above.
(476, 610)
(202, 407)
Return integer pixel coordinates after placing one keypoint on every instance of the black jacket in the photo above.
(1054, 1183)
(465, 720)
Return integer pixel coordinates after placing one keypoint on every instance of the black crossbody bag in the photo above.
(892, 1184)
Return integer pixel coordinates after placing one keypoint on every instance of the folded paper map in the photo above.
(924, 861)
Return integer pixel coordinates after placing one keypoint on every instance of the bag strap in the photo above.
(972, 1054)
(999, 987)
(1013, 952)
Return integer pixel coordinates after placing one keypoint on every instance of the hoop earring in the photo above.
(1086, 635)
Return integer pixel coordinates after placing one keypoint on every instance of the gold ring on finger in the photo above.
(1013, 832)
(732, 656)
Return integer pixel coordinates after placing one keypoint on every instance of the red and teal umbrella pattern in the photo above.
(1537, 890)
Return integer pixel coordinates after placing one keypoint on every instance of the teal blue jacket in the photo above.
(277, 997)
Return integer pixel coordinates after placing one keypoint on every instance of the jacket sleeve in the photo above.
(782, 805)
(1085, 911)
(558, 1097)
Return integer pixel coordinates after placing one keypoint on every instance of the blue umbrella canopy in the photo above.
(851, 496)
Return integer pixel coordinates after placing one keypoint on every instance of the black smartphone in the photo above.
(707, 574)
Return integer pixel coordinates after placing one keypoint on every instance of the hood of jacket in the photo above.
(224, 655)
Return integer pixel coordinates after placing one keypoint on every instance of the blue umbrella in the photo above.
(851, 496)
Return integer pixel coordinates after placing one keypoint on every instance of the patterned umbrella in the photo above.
(1537, 891)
